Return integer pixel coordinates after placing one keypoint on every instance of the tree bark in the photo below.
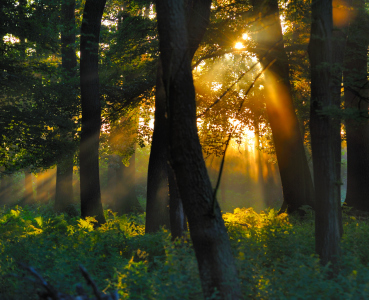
(357, 127)
(296, 179)
(178, 220)
(160, 201)
(323, 132)
(64, 174)
(91, 111)
(339, 40)
(208, 233)
(157, 200)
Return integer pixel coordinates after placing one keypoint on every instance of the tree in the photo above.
(157, 199)
(292, 162)
(91, 111)
(208, 233)
(323, 132)
(356, 106)
(64, 174)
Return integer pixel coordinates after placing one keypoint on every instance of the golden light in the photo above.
(342, 13)
(245, 36)
(239, 46)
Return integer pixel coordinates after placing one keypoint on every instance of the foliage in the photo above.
(274, 255)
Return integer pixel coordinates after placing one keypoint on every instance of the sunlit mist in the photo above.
(249, 178)
(342, 13)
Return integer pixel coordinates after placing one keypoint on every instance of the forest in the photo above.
(184, 149)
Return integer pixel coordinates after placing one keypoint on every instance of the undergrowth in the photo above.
(274, 255)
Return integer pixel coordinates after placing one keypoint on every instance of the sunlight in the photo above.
(239, 46)
(9, 38)
(216, 86)
(342, 13)
(245, 36)
(278, 96)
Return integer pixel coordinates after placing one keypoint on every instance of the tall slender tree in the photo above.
(91, 111)
(208, 233)
(356, 95)
(296, 179)
(160, 203)
(64, 174)
(157, 199)
(323, 132)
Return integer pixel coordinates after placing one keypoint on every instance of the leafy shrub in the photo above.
(274, 255)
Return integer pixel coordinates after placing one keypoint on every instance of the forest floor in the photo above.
(274, 255)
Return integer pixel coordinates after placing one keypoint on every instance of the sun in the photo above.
(239, 46)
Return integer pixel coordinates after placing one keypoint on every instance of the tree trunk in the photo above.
(91, 111)
(339, 39)
(64, 174)
(357, 128)
(157, 200)
(208, 233)
(178, 221)
(163, 206)
(296, 179)
(323, 133)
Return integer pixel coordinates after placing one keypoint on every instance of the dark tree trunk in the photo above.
(126, 198)
(323, 132)
(157, 200)
(160, 201)
(261, 181)
(208, 233)
(296, 179)
(357, 128)
(64, 174)
(178, 221)
(91, 111)
(339, 39)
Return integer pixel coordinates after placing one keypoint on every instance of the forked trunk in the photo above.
(208, 233)
(296, 179)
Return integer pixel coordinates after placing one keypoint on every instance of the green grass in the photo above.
(274, 255)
